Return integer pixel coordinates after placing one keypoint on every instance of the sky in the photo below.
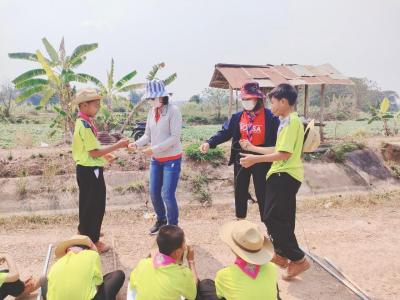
(360, 38)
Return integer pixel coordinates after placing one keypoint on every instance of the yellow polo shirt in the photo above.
(84, 141)
(3, 277)
(290, 139)
(233, 284)
(75, 276)
(164, 283)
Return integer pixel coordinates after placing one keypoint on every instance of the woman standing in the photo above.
(257, 125)
(163, 133)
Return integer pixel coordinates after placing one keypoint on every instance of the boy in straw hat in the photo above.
(162, 277)
(10, 282)
(283, 180)
(77, 274)
(90, 159)
(252, 276)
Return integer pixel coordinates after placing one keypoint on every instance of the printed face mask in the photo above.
(249, 104)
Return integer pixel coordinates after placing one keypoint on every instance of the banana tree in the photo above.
(382, 113)
(54, 77)
(150, 76)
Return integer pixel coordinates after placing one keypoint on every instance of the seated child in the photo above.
(77, 273)
(161, 277)
(10, 283)
(252, 276)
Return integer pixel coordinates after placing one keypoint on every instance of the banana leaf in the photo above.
(125, 79)
(81, 51)
(26, 94)
(51, 51)
(28, 75)
(49, 72)
(170, 79)
(31, 83)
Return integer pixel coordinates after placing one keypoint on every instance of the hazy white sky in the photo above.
(359, 37)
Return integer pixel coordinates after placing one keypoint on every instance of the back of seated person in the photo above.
(161, 277)
(252, 276)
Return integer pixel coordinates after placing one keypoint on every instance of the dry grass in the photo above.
(24, 139)
(366, 200)
(21, 187)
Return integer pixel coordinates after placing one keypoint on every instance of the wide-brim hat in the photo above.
(247, 241)
(76, 240)
(312, 139)
(251, 90)
(154, 89)
(86, 95)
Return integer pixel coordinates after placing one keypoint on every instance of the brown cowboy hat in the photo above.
(75, 240)
(247, 241)
(86, 95)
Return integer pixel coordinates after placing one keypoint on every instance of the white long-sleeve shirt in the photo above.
(164, 136)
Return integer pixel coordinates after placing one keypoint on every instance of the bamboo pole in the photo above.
(237, 98)
(341, 280)
(45, 268)
(230, 101)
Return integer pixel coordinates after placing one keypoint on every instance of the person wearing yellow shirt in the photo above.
(283, 180)
(162, 276)
(10, 283)
(77, 274)
(252, 276)
(90, 159)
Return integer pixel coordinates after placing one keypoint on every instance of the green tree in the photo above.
(217, 98)
(54, 77)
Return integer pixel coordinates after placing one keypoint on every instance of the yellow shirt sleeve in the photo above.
(287, 138)
(98, 274)
(189, 289)
(3, 277)
(219, 284)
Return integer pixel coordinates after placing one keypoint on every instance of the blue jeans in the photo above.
(164, 177)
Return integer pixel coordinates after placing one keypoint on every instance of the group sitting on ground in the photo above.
(168, 273)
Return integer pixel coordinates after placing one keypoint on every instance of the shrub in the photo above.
(213, 155)
(338, 153)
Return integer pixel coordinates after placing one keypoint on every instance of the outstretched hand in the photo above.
(248, 160)
(245, 144)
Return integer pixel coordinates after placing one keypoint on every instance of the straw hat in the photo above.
(312, 139)
(76, 240)
(247, 241)
(86, 95)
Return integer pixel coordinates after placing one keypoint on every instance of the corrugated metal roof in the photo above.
(269, 76)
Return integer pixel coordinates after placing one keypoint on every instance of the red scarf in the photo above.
(247, 268)
(89, 120)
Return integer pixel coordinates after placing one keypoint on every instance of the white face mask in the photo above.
(156, 103)
(249, 104)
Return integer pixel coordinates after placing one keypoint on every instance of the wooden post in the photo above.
(237, 98)
(297, 90)
(306, 101)
(321, 112)
(230, 101)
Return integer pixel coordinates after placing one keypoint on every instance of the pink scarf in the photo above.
(162, 260)
(89, 120)
(249, 269)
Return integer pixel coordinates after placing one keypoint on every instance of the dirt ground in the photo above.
(357, 232)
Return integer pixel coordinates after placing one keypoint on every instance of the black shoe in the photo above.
(157, 226)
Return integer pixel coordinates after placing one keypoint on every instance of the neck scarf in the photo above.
(162, 260)
(249, 269)
(89, 120)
